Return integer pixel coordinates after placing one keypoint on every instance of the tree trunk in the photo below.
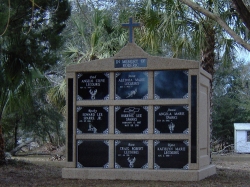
(16, 149)
(50, 137)
(2, 154)
(208, 54)
(217, 18)
(15, 133)
(30, 154)
(208, 59)
(243, 12)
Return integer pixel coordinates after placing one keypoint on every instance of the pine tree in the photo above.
(30, 40)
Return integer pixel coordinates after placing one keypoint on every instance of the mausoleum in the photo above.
(138, 117)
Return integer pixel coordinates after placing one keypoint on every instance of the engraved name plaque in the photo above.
(171, 119)
(130, 63)
(131, 154)
(131, 85)
(131, 119)
(171, 154)
(92, 120)
(93, 86)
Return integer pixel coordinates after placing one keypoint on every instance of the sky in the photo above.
(243, 54)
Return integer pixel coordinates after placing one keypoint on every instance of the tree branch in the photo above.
(16, 149)
(216, 18)
(243, 12)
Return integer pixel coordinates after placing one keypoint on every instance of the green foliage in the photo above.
(28, 48)
(43, 120)
(34, 117)
(93, 34)
(179, 31)
(171, 28)
(231, 99)
(33, 46)
(94, 31)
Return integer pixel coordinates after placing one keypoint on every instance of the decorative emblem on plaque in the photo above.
(106, 166)
(186, 107)
(79, 98)
(157, 131)
(79, 75)
(117, 142)
(79, 165)
(131, 154)
(185, 96)
(131, 162)
(93, 93)
(171, 127)
(117, 166)
(78, 131)
(145, 166)
(106, 131)
(156, 166)
(131, 110)
(186, 142)
(79, 142)
(106, 142)
(92, 128)
(185, 72)
(132, 93)
(186, 131)
(186, 167)
(78, 109)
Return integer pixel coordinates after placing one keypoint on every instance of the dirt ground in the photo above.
(232, 170)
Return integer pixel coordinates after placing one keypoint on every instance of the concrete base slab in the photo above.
(139, 174)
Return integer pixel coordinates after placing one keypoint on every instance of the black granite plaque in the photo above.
(171, 154)
(92, 120)
(70, 119)
(131, 154)
(93, 86)
(130, 63)
(131, 119)
(171, 84)
(171, 119)
(131, 85)
(92, 153)
(194, 109)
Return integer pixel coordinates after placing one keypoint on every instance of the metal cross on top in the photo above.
(131, 26)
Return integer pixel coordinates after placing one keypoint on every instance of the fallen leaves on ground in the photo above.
(25, 174)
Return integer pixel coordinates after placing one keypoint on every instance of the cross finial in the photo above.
(131, 26)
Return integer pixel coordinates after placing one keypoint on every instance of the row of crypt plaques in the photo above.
(133, 154)
(168, 84)
(132, 119)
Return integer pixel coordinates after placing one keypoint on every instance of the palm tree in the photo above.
(240, 9)
(189, 34)
(11, 98)
(30, 42)
(91, 34)
(186, 33)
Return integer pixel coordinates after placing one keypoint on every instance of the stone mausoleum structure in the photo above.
(138, 117)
